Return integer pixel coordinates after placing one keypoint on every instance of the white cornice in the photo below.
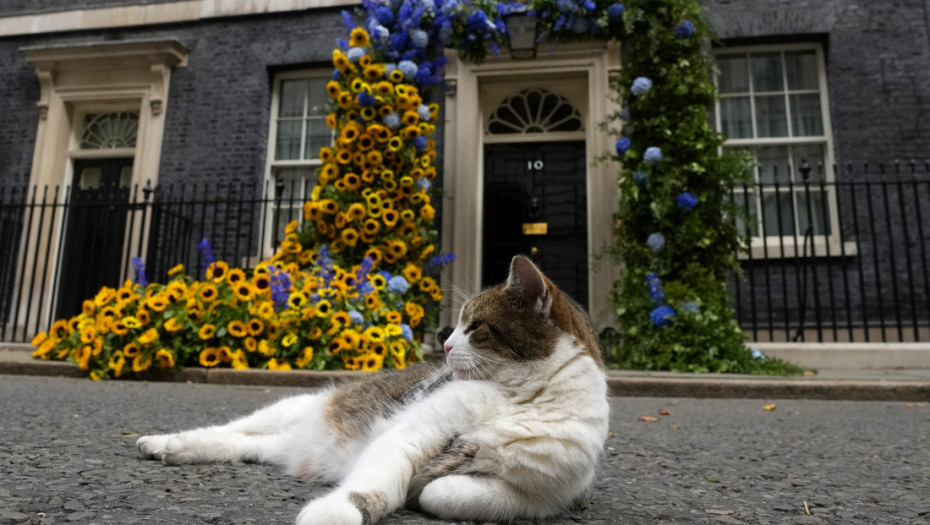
(138, 15)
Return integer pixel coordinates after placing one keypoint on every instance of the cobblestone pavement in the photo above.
(67, 455)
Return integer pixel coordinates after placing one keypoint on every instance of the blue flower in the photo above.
(419, 38)
(138, 268)
(347, 20)
(384, 15)
(641, 86)
(655, 288)
(686, 201)
(398, 284)
(366, 100)
(565, 6)
(640, 178)
(615, 10)
(423, 112)
(380, 33)
(365, 288)
(337, 75)
(361, 275)
(420, 143)
(423, 183)
(662, 316)
(478, 21)
(436, 261)
(406, 332)
(392, 121)
(656, 241)
(625, 114)
(653, 154)
(388, 67)
(590, 5)
(355, 54)
(325, 262)
(684, 29)
(408, 68)
(356, 317)
(206, 253)
(756, 354)
(623, 144)
(280, 289)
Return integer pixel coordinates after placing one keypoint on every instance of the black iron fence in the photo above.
(58, 246)
(838, 255)
(835, 256)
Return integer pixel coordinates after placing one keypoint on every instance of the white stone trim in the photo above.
(138, 15)
(592, 63)
(850, 356)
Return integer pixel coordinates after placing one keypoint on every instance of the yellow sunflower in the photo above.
(165, 358)
(358, 38)
(207, 331)
(209, 357)
(217, 270)
(237, 329)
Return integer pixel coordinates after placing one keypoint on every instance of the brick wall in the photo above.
(21, 7)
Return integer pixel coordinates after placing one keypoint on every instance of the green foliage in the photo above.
(701, 244)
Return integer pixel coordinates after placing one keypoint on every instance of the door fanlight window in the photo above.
(111, 130)
(534, 111)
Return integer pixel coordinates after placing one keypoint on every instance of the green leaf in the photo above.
(712, 479)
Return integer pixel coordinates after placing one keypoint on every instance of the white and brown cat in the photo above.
(512, 426)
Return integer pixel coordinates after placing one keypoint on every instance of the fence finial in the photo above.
(805, 169)
(147, 190)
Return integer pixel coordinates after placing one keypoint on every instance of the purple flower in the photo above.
(138, 268)
(686, 201)
(398, 284)
(615, 10)
(662, 316)
(655, 288)
(656, 241)
(623, 145)
(280, 289)
(653, 154)
(684, 29)
(641, 86)
(206, 253)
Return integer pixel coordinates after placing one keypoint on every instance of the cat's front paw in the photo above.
(330, 510)
(153, 447)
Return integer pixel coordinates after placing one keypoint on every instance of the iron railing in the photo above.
(58, 246)
(838, 255)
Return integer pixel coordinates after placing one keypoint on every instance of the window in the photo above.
(773, 104)
(298, 131)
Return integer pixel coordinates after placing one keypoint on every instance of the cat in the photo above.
(512, 426)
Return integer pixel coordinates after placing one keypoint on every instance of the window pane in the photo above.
(770, 116)
(814, 156)
(318, 135)
(773, 164)
(766, 72)
(817, 200)
(318, 97)
(806, 119)
(801, 68)
(736, 117)
(734, 74)
(288, 204)
(777, 207)
(287, 145)
(292, 98)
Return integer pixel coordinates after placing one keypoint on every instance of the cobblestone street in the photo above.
(67, 455)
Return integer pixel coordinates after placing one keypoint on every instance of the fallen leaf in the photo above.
(908, 405)
(664, 413)
(769, 408)
(649, 419)
(674, 427)
(807, 509)
(712, 479)
(899, 368)
(810, 373)
(921, 405)
(719, 512)
(731, 489)
(130, 435)
(610, 434)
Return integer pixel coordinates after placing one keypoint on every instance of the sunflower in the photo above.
(149, 337)
(410, 132)
(374, 334)
(394, 317)
(395, 143)
(333, 89)
(306, 355)
(217, 270)
(369, 113)
(266, 349)
(141, 363)
(352, 180)
(173, 325)
(356, 212)
(365, 142)
(208, 293)
(372, 362)
(289, 340)
(243, 291)
(378, 281)
(358, 38)
(335, 346)
(116, 363)
(396, 76)
(209, 357)
(427, 213)
(207, 331)
(397, 248)
(239, 361)
(131, 350)
(261, 283)
(349, 236)
(157, 303)
(175, 270)
(372, 302)
(296, 300)
(237, 329)
(276, 364)
(373, 72)
(119, 328)
(255, 326)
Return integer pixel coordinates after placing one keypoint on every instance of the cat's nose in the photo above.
(447, 348)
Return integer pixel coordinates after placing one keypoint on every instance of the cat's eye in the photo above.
(473, 326)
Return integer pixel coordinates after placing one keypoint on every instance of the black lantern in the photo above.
(522, 27)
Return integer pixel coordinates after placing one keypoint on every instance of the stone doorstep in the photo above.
(620, 383)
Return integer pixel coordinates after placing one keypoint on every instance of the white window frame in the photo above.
(272, 165)
(775, 246)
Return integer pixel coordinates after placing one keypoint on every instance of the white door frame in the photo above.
(463, 177)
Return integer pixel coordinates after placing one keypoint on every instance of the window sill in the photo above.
(774, 250)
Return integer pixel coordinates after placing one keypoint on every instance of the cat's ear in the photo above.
(528, 283)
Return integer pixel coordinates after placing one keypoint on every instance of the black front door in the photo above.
(94, 234)
(535, 204)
